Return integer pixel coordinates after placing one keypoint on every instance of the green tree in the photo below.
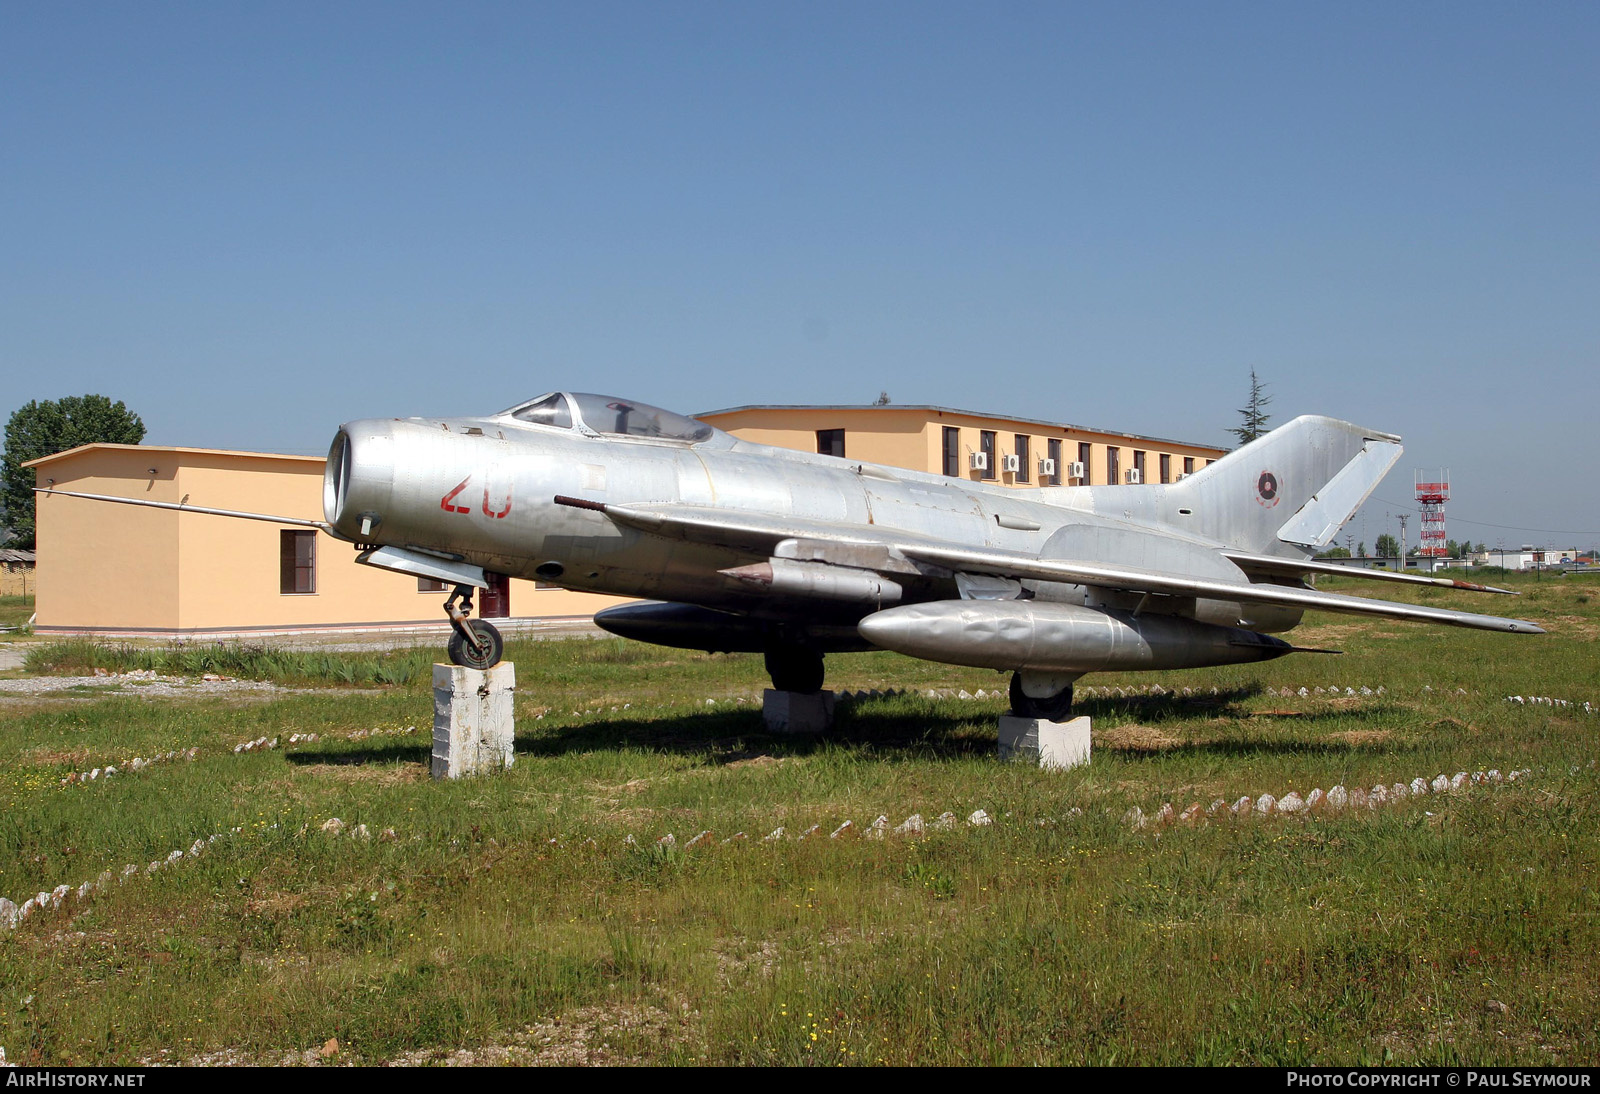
(1388, 546)
(1253, 414)
(1334, 552)
(1361, 551)
(45, 428)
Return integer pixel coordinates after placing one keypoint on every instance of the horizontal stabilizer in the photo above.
(1271, 566)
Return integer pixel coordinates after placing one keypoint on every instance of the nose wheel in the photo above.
(475, 643)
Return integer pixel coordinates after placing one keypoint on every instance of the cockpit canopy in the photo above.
(608, 414)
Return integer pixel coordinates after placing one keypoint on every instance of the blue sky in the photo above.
(253, 222)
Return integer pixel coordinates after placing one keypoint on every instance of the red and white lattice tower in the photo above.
(1433, 490)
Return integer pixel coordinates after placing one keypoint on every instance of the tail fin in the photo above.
(1287, 492)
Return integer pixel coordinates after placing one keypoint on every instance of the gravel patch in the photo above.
(94, 687)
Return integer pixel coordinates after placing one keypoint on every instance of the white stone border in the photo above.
(1545, 700)
(138, 763)
(13, 915)
(266, 744)
(1336, 800)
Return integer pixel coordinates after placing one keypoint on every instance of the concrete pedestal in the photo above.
(1058, 745)
(797, 711)
(473, 726)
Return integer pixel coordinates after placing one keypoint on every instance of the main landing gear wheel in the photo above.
(794, 668)
(485, 655)
(1050, 708)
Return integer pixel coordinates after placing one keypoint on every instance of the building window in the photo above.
(1022, 457)
(830, 442)
(1188, 465)
(1138, 464)
(986, 444)
(1084, 453)
(952, 451)
(297, 562)
(1113, 462)
(429, 585)
(1053, 447)
(1166, 467)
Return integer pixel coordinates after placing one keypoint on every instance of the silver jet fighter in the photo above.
(737, 546)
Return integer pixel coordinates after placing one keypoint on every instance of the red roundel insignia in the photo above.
(1267, 489)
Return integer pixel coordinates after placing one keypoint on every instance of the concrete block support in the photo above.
(1058, 745)
(797, 711)
(473, 726)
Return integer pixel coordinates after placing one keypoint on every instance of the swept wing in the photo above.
(759, 533)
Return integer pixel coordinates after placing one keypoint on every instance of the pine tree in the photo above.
(1253, 413)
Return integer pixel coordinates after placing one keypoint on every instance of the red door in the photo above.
(495, 601)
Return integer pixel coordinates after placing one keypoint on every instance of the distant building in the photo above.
(964, 444)
(1527, 557)
(16, 572)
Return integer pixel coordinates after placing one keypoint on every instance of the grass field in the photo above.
(14, 612)
(510, 918)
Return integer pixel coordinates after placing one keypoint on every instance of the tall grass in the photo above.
(234, 659)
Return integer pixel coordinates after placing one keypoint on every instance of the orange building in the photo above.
(123, 569)
(120, 569)
(964, 444)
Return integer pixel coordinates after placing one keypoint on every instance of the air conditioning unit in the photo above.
(1047, 467)
(979, 461)
(1077, 471)
(1013, 464)
(1133, 476)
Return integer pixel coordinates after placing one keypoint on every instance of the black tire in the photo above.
(463, 654)
(1051, 708)
(794, 668)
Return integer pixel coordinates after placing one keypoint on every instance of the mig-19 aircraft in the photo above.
(737, 546)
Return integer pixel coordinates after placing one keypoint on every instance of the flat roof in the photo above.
(154, 448)
(928, 407)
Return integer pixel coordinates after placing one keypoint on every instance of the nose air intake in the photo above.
(336, 479)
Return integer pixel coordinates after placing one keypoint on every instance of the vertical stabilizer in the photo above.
(1288, 492)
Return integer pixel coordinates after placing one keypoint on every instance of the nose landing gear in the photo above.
(475, 643)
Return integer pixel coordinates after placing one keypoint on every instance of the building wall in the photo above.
(104, 567)
(913, 437)
(888, 435)
(101, 565)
